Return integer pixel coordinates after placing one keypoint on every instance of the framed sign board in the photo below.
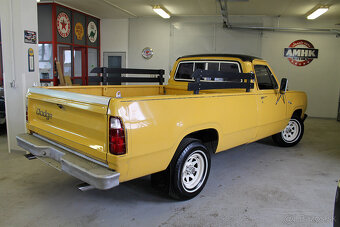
(30, 37)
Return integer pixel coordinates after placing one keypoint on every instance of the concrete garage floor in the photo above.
(258, 184)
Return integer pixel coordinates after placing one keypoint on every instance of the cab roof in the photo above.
(240, 56)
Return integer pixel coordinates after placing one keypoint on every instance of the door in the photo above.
(92, 62)
(272, 107)
(114, 60)
(79, 73)
(65, 59)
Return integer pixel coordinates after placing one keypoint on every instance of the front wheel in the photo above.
(292, 134)
(190, 170)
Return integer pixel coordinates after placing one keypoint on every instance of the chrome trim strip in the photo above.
(92, 99)
(70, 150)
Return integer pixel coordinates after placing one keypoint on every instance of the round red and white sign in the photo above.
(301, 58)
(63, 25)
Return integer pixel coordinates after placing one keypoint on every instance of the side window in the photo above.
(185, 70)
(265, 78)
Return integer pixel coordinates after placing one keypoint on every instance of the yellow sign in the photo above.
(79, 30)
(30, 52)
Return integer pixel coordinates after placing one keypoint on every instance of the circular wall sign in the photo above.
(63, 24)
(92, 31)
(147, 53)
(79, 30)
(301, 60)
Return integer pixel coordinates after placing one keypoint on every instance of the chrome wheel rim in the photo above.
(292, 131)
(194, 171)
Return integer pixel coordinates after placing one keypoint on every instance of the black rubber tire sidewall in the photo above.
(178, 190)
(278, 138)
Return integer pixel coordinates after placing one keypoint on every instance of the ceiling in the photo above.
(119, 9)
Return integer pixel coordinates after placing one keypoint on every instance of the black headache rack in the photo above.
(105, 79)
(232, 80)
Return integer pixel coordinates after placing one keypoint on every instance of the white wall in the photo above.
(180, 36)
(17, 16)
(114, 36)
(153, 33)
(201, 36)
(320, 79)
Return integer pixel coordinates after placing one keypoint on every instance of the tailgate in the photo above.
(77, 121)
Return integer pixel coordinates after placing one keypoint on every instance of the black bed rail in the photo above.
(105, 79)
(243, 80)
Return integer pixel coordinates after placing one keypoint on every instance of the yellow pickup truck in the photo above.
(106, 135)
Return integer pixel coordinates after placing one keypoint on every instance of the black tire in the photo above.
(189, 169)
(292, 134)
(336, 219)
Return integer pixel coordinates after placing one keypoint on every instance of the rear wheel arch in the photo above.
(208, 137)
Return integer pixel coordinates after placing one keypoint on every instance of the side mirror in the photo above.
(284, 86)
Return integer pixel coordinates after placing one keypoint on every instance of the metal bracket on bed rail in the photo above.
(230, 80)
(105, 79)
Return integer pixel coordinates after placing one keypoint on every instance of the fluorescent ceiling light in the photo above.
(318, 12)
(161, 12)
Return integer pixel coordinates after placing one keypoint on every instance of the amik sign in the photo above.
(301, 52)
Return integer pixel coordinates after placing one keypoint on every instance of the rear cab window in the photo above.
(185, 69)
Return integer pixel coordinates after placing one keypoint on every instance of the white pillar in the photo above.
(15, 17)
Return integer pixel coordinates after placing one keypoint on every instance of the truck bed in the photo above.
(80, 121)
(111, 90)
(127, 91)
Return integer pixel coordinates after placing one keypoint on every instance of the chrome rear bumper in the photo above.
(92, 173)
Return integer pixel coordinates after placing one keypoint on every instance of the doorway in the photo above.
(79, 74)
(114, 60)
(65, 59)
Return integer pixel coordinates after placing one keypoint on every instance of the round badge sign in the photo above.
(301, 52)
(92, 31)
(147, 53)
(63, 25)
(79, 30)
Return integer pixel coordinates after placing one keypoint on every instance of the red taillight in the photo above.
(116, 137)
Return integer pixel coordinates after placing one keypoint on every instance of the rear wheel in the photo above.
(292, 134)
(190, 170)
